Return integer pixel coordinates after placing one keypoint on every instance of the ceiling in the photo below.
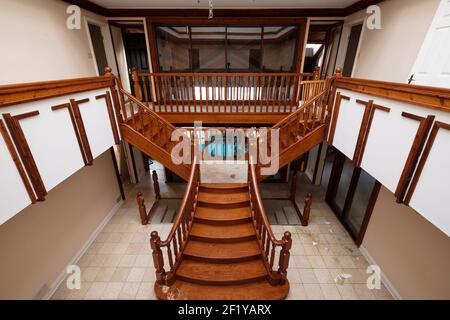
(222, 4)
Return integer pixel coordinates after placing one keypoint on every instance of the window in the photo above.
(173, 48)
(227, 48)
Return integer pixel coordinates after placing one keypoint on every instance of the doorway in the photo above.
(351, 193)
(352, 49)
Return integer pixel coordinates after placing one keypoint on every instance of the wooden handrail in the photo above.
(266, 238)
(178, 235)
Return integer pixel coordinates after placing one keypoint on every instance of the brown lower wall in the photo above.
(412, 253)
(38, 243)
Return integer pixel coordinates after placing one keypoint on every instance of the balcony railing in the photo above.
(225, 92)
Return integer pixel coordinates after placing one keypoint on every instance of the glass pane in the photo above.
(208, 46)
(173, 48)
(327, 167)
(360, 201)
(244, 48)
(279, 48)
(344, 184)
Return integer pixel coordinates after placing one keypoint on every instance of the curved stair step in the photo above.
(223, 216)
(221, 274)
(182, 290)
(235, 198)
(222, 252)
(222, 233)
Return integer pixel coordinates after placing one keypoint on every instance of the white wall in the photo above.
(37, 46)
(389, 54)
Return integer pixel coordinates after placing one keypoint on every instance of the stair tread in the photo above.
(220, 214)
(182, 290)
(222, 232)
(223, 198)
(291, 215)
(223, 185)
(219, 273)
(224, 251)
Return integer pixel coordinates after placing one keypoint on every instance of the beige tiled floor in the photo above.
(324, 264)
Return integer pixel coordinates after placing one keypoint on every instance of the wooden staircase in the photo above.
(222, 258)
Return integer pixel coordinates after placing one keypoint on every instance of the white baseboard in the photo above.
(384, 279)
(82, 250)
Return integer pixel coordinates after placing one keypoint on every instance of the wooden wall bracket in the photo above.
(366, 124)
(423, 159)
(337, 107)
(112, 120)
(20, 141)
(74, 124)
(19, 166)
(74, 104)
(414, 153)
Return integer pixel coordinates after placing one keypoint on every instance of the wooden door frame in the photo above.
(153, 22)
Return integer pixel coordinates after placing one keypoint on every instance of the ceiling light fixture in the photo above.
(211, 8)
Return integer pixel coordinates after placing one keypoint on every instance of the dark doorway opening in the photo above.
(352, 49)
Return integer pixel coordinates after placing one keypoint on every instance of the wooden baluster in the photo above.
(272, 256)
(158, 261)
(292, 89)
(169, 255)
(267, 243)
(269, 82)
(169, 83)
(176, 93)
(287, 85)
(283, 263)
(182, 95)
(206, 81)
(261, 92)
(175, 246)
(280, 90)
(187, 88)
(143, 80)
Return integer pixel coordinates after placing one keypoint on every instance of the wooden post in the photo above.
(137, 88)
(158, 260)
(316, 73)
(307, 209)
(156, 185)
(284, 256)
(142, 210)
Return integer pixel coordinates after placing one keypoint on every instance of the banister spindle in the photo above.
(142, 210)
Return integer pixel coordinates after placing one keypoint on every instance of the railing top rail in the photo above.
(300, 109)
(223, 74)
(259, 203)
(183, 205)
(149, 110)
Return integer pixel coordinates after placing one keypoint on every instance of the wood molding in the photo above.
(74, 125)
(336, 109)
(431, 97)
(15, 158)
(26, 156)
(27, 92)
(423, 159)
(218, 13)
(112, 119)
(74, 104)
(366, 125)
(414, 153)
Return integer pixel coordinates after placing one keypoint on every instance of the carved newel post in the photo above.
(284, 256)
(142, 210)
(307, 209)
(158, 260)
(156, 185)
